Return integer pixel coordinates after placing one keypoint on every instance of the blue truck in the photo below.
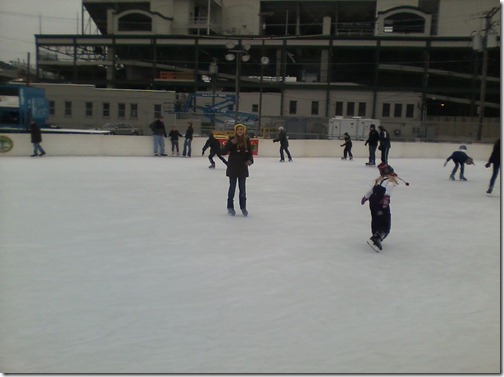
(19, 105)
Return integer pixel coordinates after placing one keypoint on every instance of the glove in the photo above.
(234, 141)
(487, 165)
(363, 200)
(274, 141)
(202, 153)
(385, 201)
(248, 162)
(380, 148)
(342, 145)
(366, 143)
(445, 163)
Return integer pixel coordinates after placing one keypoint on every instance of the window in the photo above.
(133, 111)
(386, 110)
(350, 109)
(362, 109)
(89, 109)
(121, 110)
(315, 108)
(292, 107)
(106, 110)
(68, 108)
(398, 110)
(52, 108)
(339, 108)
(157, 111)
(410, 110)
(255, 108)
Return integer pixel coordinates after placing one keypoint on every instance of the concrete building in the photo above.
(413, 64)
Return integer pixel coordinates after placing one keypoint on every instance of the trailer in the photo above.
(21, 104)
(357, 127)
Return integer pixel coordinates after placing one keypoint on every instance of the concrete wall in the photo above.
(115, 145)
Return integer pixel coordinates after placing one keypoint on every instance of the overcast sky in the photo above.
(20, 20)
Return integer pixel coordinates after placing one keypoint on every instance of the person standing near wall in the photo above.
(284, 144)
(240, 158)
(36, 139)
(188, 141)
(158, 134)
(174, 135)
(372, 141)
(495, 160)
(384, 144)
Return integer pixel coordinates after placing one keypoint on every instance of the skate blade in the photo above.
(373, 246)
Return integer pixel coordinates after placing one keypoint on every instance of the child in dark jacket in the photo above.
(36, 139)
(284, 144)
(459, 158)
(174, 135)
(379, 204)
(348, 147)
(215, 150)
(240, 158)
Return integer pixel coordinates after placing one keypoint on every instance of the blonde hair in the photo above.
(391, 178)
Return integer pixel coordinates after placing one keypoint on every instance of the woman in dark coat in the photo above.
(240, 158)
(36, 139)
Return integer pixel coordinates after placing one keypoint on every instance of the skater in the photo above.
(495, 160)
(459, 158)
(174, 135)
(215, 150)
(36, 139)
(372, 140)
(158, 134)
(384, 144)
(379, 204)
(284, 144)
(240, 158)
(188, 141)
(348, 147)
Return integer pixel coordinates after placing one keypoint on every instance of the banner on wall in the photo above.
(223, 137)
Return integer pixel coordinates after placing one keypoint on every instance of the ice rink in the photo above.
(132, 265)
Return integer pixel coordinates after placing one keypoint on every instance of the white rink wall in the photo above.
(115, 145)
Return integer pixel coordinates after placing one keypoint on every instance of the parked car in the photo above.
(121, 129)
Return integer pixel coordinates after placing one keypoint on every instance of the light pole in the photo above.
(264, 61)
(239, 53)
(213, 70)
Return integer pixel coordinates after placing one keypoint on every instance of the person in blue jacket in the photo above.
(460, 158)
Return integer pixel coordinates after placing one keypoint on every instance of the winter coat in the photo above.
(458, 156)
(174, 135)
(36, 134)
(384, 140)
(373, 138)
(158, 127)
(189, 133)
(237, 159)
(348, 142)
(213, 144)
(282, 138)
(495, 156)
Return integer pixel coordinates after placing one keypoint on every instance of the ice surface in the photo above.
(131, 265)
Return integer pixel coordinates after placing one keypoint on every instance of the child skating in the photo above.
(215, 150)
(459, 158)
(379, 204)
(348, 147)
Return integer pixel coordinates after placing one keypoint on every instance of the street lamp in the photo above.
(239, 53)
(264, 62)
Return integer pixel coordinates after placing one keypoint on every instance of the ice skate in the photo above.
(490, 189)
(452, 177)
(231, 212)
(463, 178)
(245, 212)
(43, 153)
(212, 166)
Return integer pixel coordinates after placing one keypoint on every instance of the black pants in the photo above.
(456, 168)
(286, 149)
(372, 154)
(381, 222)
(347, 151)
(496, 168)
(232, 190)
(384, 155)
(211, 156)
